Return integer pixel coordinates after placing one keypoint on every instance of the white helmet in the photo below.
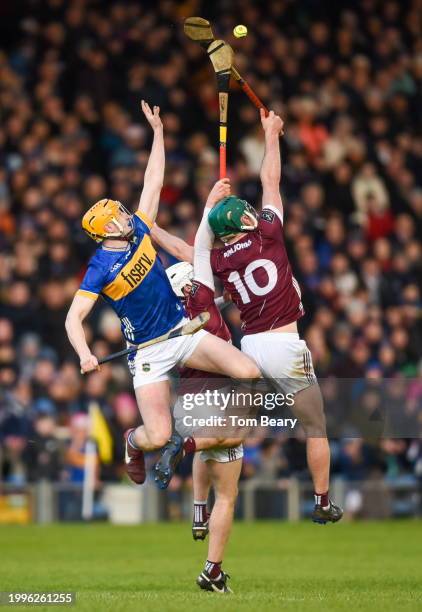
(179, 275)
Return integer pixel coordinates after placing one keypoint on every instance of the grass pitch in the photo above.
(274, 566)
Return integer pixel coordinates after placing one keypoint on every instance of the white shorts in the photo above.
(153, 363)
(221, 455)
(283, 357)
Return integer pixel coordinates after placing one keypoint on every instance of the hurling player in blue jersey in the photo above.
(127, 273)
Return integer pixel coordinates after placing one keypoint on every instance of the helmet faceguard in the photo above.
(225, 218)
(106, 213)
(180, 275)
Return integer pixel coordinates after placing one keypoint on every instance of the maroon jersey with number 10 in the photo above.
(257, 273)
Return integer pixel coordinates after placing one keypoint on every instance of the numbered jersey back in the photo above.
(257, 273)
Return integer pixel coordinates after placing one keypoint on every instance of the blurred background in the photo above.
(346, 79)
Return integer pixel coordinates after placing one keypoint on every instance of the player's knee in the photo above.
(254, 371)
(248, 369)
(159, 438)
(228, 496)
(234, 494)
(313, 424)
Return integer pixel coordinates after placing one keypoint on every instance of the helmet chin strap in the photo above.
(249, 228)
(121, 235)
(243, 228)
(119, 225)
(115, 235)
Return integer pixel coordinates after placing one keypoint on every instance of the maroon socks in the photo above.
(189, 445)
(213, 568)
(200, 514)
(322, 499)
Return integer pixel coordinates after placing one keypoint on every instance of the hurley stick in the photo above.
(221, 56)
(184, 330)
(200, 30)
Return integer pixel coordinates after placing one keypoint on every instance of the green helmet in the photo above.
(225, 217)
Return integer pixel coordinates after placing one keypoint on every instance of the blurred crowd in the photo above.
(347, 80)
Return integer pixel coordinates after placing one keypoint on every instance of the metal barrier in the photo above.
(288, 499)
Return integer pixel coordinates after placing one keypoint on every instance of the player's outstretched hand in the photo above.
(89, 363)
(153, 117)
(220, 190)
(273, 124)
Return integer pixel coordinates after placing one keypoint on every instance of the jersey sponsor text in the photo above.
(237, 247)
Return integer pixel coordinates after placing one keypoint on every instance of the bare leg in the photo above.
(224, 478)
(215, 355)
(318, 455)
(201, 479)
(308, 407)
(207, 443)
(154, 406)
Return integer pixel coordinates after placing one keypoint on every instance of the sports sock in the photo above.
(213, 568)
(131, 441)
(189, 445)
(200, 513)
(322, 499)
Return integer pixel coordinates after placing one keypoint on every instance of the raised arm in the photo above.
(78, 311)
(271, 165)
(172, 244)
(204, 239)
(154, 173)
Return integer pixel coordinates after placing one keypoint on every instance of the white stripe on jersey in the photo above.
(296, 286)
(276, 210)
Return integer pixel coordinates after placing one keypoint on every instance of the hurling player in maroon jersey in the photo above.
(252, 263)
(219, 467)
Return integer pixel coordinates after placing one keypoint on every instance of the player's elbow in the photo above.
(158, 184)
(154, 182)
(69, 324)
(73, 318)
(270, 179)
(186, 254)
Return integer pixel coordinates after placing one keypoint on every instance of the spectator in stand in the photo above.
(43, 456)
(348, 86)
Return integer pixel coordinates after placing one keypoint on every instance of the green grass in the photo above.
(362, 566)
